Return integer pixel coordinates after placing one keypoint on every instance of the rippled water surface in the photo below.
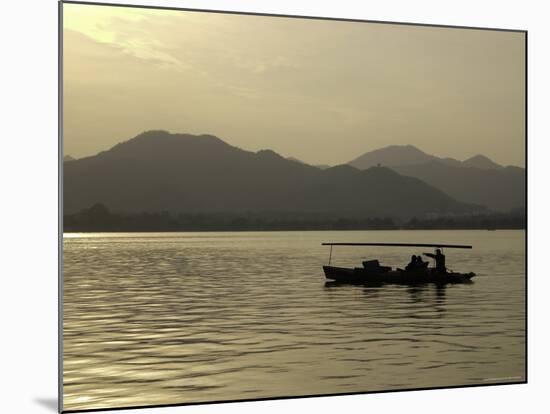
(167, 318)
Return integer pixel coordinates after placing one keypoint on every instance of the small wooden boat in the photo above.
(362, 276)
(372, 272)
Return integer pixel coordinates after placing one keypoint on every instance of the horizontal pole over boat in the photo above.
(447, 246)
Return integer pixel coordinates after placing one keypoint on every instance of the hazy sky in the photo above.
(321, 91)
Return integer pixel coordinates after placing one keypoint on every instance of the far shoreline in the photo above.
(281, 230)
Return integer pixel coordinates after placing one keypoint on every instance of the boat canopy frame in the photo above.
(436, 246)
(447, 246)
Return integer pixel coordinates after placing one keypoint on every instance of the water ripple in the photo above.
(187, 317)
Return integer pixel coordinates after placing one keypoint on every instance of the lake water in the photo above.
(168, 318)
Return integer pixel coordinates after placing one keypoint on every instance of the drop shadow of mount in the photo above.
(49, 403)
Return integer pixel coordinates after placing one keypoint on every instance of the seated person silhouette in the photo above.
(421, 264)
(413, 264)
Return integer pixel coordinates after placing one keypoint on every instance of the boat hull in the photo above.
(361, 276)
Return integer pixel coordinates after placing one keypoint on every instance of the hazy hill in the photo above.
(499, 189)
(321, 166)
(398, 155)
(477, 180)
(159, 171)
(391, 156)
(68, 158)
(482, 162)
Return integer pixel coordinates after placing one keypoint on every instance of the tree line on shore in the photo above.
(99, 218)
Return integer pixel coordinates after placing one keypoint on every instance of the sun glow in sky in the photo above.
(321, 91)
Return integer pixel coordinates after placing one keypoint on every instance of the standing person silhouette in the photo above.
(439, 260)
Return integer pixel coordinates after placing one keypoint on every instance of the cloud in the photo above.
(122, 28)
(290, 84)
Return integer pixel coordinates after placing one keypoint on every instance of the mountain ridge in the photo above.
(477, 180)
(160, 171)
(398, 155)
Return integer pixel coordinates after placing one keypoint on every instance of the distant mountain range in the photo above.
(477, 180)
(399, 155)
(180, 173)
(321, 166)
